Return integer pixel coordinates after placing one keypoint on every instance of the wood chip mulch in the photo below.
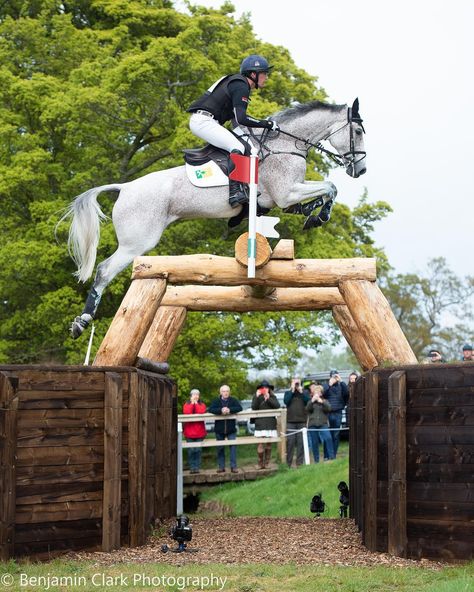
(315, 541)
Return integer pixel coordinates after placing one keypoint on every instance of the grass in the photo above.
(287, 493)
(87, 577)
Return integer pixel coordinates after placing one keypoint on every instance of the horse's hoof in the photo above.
(76, 328)
(79, 324)
(312, 222)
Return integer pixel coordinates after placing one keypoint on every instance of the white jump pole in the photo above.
(304, 434)
(252, 240)
(179, 472)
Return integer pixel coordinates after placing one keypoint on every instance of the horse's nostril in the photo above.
(362, 171)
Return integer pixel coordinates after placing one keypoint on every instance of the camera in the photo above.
(343, 499)
(182, 532)
(317, 505)
(297, 384)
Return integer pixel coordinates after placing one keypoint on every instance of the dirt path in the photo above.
(315, 541)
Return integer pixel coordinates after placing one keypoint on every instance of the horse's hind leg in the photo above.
(106, 271)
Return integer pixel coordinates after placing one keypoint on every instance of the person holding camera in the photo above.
(225, 428)
(317, 409)
(337, 393)
(265, 427)
(295, 400)
(194, 431)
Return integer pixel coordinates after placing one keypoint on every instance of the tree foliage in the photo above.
(434, 309)
(95, 92)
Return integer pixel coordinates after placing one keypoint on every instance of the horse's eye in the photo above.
(358, 131)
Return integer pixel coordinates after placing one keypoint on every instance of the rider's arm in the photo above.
(239, 93)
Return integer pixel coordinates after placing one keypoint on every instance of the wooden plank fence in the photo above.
(87, 457)
(412, 460)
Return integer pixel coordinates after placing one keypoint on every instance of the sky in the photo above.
(410, 62)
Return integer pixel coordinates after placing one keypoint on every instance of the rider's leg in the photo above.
(210, 130)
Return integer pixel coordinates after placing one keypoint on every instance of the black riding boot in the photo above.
(237, 195)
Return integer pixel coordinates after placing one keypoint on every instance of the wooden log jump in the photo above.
(153, 312)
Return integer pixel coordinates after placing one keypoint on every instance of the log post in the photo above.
(397, 479)
(371, 451)
(262, 254)
(163, 333)
(130, 325)
(8, 446)
(376, 322)
(354, 338)
(111, 513)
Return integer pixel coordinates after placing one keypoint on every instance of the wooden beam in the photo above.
(111, 513)
(376, 322)
(238, 299)
(354, 338)
(130, 325)
(284, 249)
(163, 333)
(397, 465)
(211, 269)
(370, 465)
(8, 448)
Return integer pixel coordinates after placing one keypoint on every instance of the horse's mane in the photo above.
(303, 108)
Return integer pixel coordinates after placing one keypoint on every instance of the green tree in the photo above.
(434, 309)
(94, 92)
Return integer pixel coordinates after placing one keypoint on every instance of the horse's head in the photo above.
(348, 141)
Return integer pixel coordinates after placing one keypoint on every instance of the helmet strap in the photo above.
(254, 78)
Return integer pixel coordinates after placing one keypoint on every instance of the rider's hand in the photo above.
(274, 127)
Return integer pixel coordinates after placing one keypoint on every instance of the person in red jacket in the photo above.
(194, 431)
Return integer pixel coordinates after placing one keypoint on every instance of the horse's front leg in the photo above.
(318, 192)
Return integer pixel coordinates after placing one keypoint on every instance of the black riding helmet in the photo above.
(254, 63)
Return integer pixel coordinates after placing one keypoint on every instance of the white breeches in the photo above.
(212, 131)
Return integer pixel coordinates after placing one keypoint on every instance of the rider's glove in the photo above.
(273, 126)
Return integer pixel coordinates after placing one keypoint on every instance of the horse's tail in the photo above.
(84, 231)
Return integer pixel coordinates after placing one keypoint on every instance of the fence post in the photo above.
(370, 469)
(8, 445)
(304, 435)
(111, 505)
(397, 482)
(281, 430)
(179, 487)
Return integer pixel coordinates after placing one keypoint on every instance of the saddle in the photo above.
(197, 157)
(209, 167)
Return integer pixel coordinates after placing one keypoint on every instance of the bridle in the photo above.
(349, 158)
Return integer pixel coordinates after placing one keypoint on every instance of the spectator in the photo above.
(467, 355)
(317, 409)
(265, 427)
(337, 393)
(435, 357)
(353, 376)
(225, 428)
(194, 431)
(295, 400)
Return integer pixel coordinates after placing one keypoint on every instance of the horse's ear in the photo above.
(355, 106)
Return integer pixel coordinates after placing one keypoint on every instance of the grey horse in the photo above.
(146, 206)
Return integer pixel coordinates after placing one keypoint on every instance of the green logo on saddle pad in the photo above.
(202, 173)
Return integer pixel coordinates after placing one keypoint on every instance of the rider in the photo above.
(228, 99)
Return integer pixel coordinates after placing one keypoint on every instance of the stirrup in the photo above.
(238, 200)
